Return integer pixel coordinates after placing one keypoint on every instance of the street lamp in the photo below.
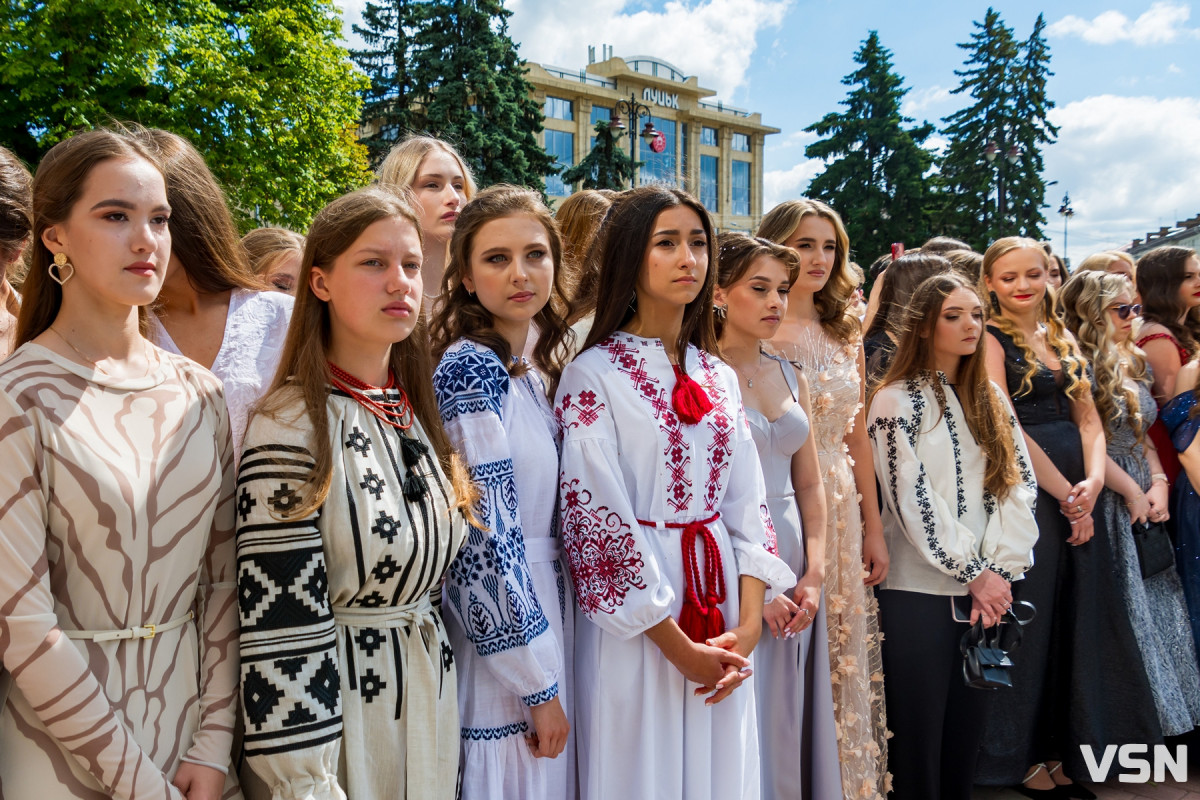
(635, 111)
(1067, 212)
(1012, 156)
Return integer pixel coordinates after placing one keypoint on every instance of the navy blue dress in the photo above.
(1185, 504)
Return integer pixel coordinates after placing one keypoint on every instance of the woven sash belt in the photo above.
(704, 587)
(139, 632)
(401, 616)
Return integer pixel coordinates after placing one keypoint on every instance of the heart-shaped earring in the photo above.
(56, 269)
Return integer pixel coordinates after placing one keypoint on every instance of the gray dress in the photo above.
(1156, 606)
(792, 684)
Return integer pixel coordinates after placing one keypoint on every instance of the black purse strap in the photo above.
(978, 635)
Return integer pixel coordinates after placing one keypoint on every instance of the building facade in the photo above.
(711, 150)
(1186, 233)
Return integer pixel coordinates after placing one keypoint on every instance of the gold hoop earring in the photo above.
(56, 269)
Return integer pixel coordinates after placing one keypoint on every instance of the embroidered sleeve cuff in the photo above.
(972, 571)
(544, 696)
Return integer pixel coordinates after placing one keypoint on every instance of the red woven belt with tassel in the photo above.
(701, 618)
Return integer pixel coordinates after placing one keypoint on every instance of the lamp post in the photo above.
(1012, 156)
(1067, 212)
(635, 111)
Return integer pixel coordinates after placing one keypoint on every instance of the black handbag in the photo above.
(986, 664)
(1155, 552)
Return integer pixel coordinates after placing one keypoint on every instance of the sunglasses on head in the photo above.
(1125, 309)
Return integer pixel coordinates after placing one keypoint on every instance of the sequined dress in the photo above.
(851, 611)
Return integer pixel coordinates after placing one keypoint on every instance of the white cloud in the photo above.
(1128, 163)
(1163, 22)
(1174, 69)
(918, 101)
(787, 184)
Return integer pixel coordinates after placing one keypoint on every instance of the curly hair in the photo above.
(833, 300)
(1085, 299)
(1073, 364)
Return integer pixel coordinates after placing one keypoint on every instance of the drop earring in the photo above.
(56, 269)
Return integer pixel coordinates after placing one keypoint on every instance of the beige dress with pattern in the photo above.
(115, 511)
(850, 607)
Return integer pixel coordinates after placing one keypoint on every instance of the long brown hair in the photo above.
(903, 277)
(304, 368)
(203, 236)
(1073, 365)
(621, 256)
(833, 300)
(462, 315)
(57, 185)
(987, 418)
(579, 218)
(1085, 301)
(16, 201)
(1159, 275)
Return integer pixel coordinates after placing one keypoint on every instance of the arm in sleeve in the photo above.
(489, 586)
(926, 518)
(45, 666)
(618, 583)
(291, 691)
(1012, 527)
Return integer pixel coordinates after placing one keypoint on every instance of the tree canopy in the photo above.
(606, 166)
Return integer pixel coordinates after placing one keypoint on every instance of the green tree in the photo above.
(989, 180)
(262, 89)
(466, 84)
(606, 166)
(388, 30)
(875, 172)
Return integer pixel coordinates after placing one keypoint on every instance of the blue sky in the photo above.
(1125, 85)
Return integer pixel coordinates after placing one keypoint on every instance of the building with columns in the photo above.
(712, 150)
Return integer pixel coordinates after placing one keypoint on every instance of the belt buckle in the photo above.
(151, 634)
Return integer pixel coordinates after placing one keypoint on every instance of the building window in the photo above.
(561, 146)
(709, 170)
(683, 149)
(658, 167)
(741, 142)
(740, 201)
(708, 136)
(600, 114)
(558, 108)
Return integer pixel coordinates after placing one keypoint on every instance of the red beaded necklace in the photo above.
(390, 412)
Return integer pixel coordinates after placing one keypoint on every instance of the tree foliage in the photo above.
(606, 166)
(982, 200)
(449, 68)
(875, 172)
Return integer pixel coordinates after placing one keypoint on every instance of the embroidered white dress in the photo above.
(348, 686)
(255, 328)
(628, 460)
(507, 590)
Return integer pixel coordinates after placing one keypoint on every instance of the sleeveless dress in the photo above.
(1167, 454)
(792, 686)
(1061, 696)
(1185, 504)
(1155, 606)
(852, 614)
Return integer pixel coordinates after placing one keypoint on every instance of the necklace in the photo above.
(78, 352)
(750, 380)
(389, 412)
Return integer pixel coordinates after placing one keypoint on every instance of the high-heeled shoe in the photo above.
(1038, 794)
(1075, 790)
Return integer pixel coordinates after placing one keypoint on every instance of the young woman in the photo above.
(958, 516)
(664, 520)
(819, 334)
(117, 611)
(1168, 280)
(211, 308)
(348, 519)
(510, 628)
(1182, 420)
(16, 222)
(1044, 718)
(274, 255)
(791, 683)
(1100, 312)
(442, 182)
(883, 334)
(1116, 262)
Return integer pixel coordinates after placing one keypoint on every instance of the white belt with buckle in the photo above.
(139, 632)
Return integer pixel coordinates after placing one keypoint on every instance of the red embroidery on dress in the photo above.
(772, 543)
(721, 451)
(584, 410)
(600, 552)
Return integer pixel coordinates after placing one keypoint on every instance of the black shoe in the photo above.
(1040, 794)
(1076, 790)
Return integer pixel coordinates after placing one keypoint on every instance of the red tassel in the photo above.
(702, 621)
(689, 400)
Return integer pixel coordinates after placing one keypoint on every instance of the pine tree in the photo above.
(981, 198)
(875, 167)
(387, 29)
(607, 166)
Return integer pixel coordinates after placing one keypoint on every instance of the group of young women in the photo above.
(510, 505)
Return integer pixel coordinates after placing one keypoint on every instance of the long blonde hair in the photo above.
(403, 163)
(304, 367)
(1073, 364)
(1085, 299)
(833, 301)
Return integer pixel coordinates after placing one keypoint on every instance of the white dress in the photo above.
(629, 464)
(255, 329)
(507, 589)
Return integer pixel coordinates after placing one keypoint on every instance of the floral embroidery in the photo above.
(579, 410)
(772, 544)
(604, 562)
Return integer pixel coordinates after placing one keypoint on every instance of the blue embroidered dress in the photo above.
(507, 590)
